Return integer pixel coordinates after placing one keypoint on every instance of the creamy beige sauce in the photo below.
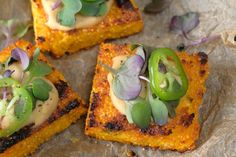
(119, 104)
(81, 21)
(42, 111)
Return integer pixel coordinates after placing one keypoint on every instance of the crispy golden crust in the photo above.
(120, 22)
(105, 122)
(70, 108)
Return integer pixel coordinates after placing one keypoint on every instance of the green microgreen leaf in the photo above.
(67, 15)
(34, 100)
(36, 54)
(102, 9)
(129, 105)
(159, 109)
(141, 114)
(93, 8)
(41, 89)
(89, 9)
(38, 68)
(171, 106)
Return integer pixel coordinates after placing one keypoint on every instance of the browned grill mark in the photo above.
(95, 101)
(41, 39)
(200, 93)
(202, 73)
(126, 4)
(25, 132)
(203, 58)
(114, 125)
(183, 61)
(72, 105)
(92, 121)
(14, 138)
(156, 130)
(61, 87)
(187, 119)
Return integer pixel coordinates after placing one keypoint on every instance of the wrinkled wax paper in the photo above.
(218, 134)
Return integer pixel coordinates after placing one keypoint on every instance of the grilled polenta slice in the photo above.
(105, 122)
(69, 109)
(121, 21)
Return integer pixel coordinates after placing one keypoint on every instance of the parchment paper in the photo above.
(218, 134)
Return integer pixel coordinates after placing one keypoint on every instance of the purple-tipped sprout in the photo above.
(20, 55)
(203, 40)
(8, 73)
(56, 4)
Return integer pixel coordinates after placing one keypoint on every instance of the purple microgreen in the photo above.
(184, 24)
(126, 84)
(12, 30)
(203, 40)
(8, 73)
(20, 55)
(182, 46)
(156, 6)
(140, 52)
(145, 52)
(56, 4)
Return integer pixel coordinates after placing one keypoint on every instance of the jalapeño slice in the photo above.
(14, 111)
(167, 77)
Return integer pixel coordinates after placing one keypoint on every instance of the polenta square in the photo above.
(105, 121)
(122, 19)
(36, 121)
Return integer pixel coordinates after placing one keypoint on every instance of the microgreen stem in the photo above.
(4, 94)
(203, 40)
(185, 35)
(144, 78)
(27, 81)
(108, 68)
(12, 102)
(56, 5)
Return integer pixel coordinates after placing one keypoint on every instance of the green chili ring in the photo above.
(163, 82)
(19, 93)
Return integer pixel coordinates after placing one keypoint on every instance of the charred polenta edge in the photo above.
(124, 19)
(70, 108)
(105, 122)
